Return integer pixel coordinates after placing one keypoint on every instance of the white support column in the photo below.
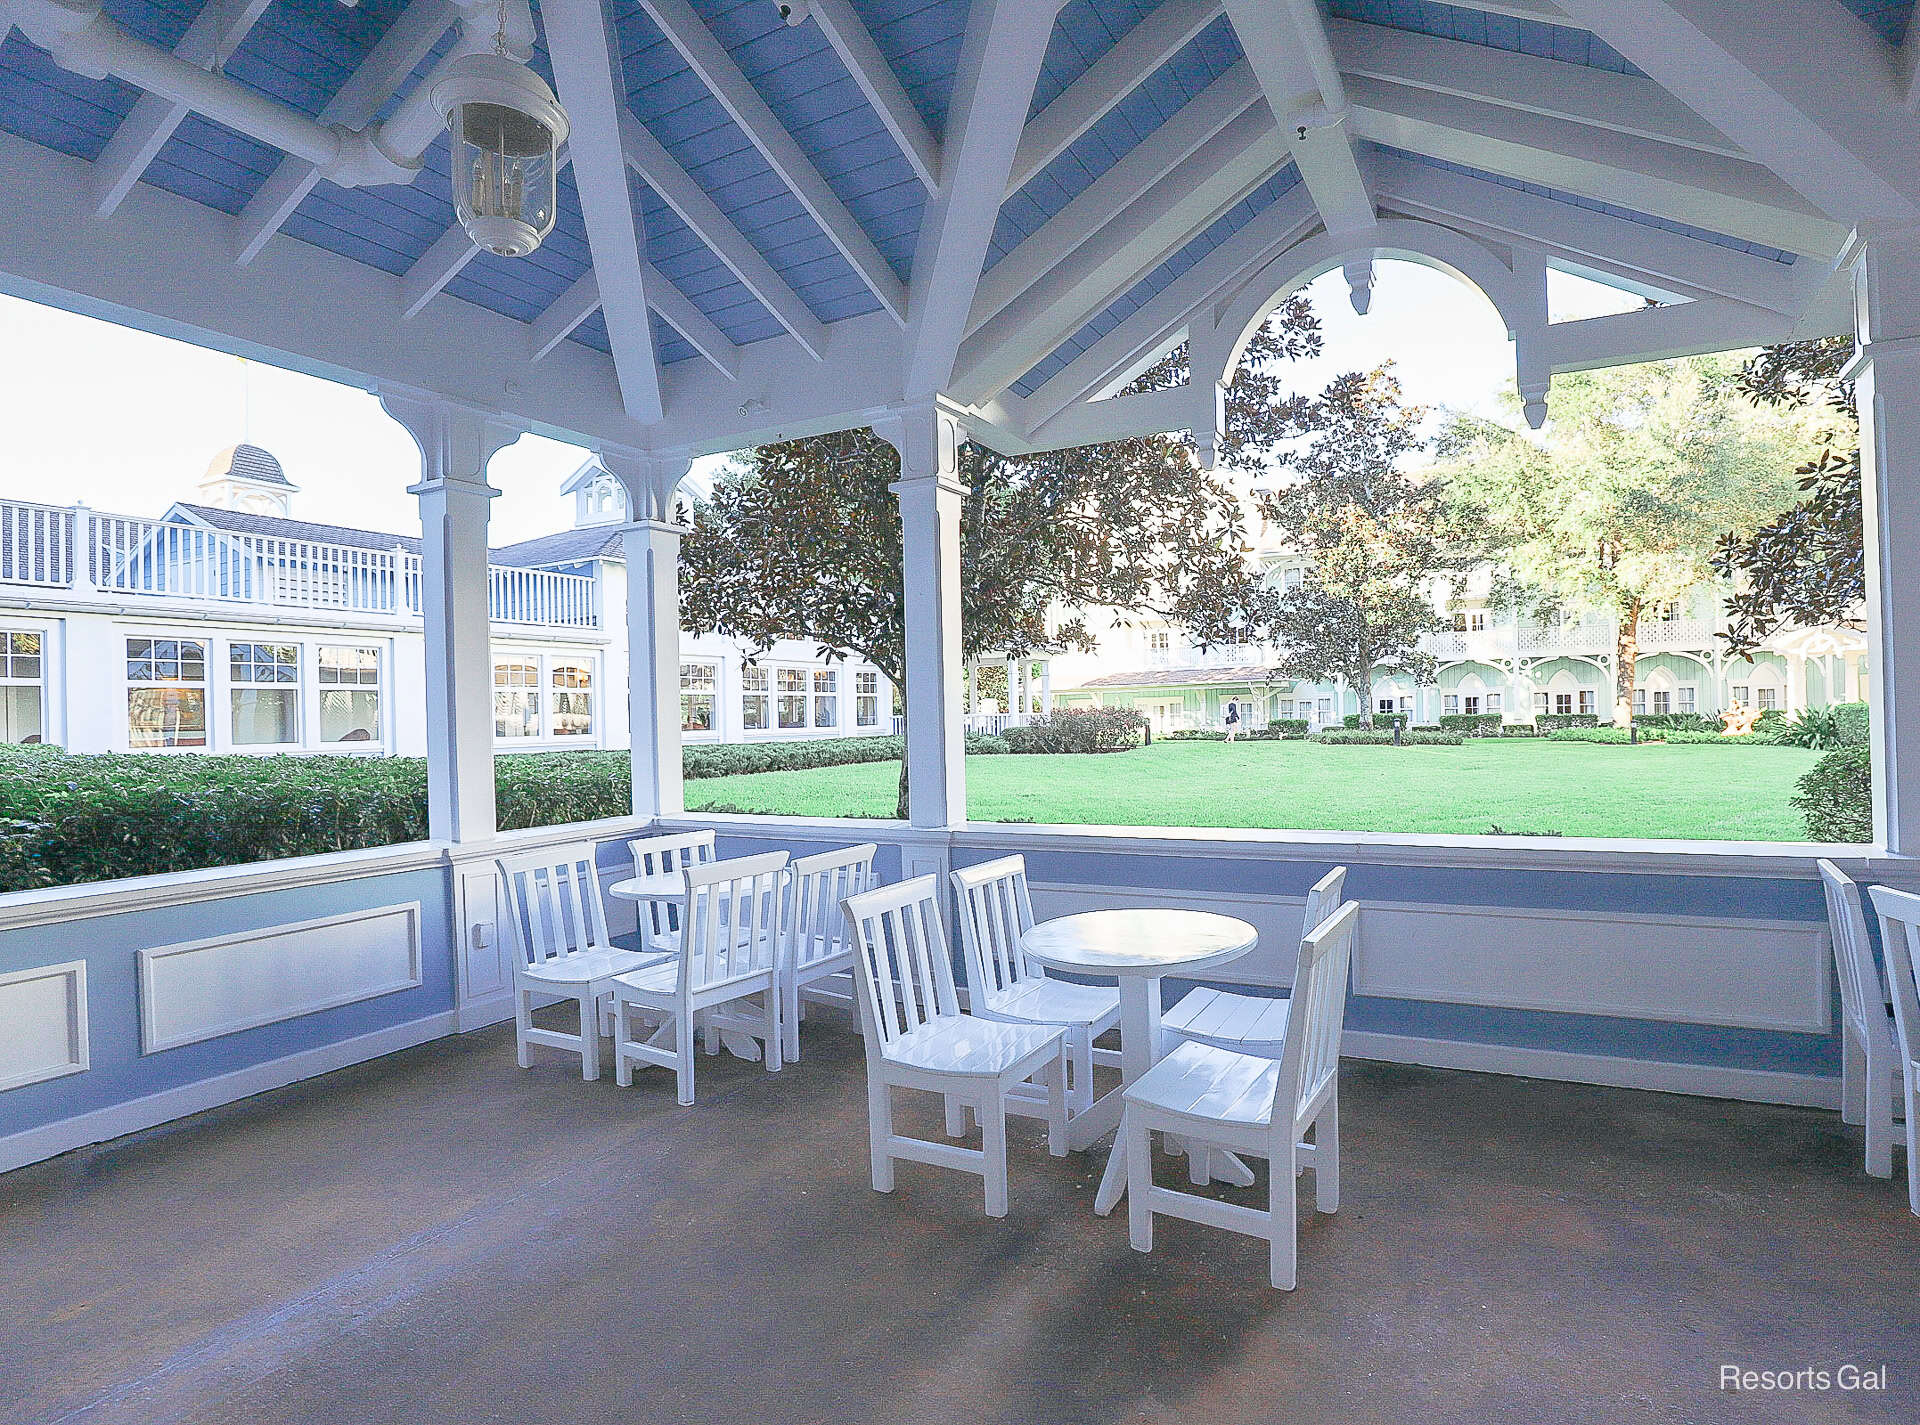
(653, 625)
(929, 490)
(1046, 688)
(456, 441)
(1886, 370)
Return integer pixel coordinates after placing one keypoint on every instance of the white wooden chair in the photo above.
(1900, 942)
(559, 926)
(658, 862)
(1251, 1024)
(917, 1038)
(818, 945)
(1003, 984)
(1253, 1105)
(1869, 1057)
(729, 951)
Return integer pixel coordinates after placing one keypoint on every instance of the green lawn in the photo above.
(1578, 789)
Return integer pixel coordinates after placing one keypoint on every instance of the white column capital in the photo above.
(650, 478)
(456, 439)
(928, 437)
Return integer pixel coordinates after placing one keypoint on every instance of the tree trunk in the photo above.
(900, 802)
(1626, 656)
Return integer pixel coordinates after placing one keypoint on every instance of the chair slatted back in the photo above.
(1323, 899)
(816, 924)
(995, 911)
(553, 900)
(1900, 939)
(657, 858)
(732, 919)
(1861, 993)
(904, 969)
(1311, 1058)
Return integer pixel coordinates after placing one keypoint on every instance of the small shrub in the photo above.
(1426, 727)
(727, 759)
(985, 744)
(1079, 730)
(1473, 724)
(1288, 727)
(1498, 830)
(1378, 737)
(1610, 736)
(1836, 797)
(1386, 720)
(1519, 729)
(1854, 724)
(1824, 729)
(1553, 722)
(1194, 734)
(1676, 722)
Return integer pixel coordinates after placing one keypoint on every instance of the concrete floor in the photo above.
(440, 1237)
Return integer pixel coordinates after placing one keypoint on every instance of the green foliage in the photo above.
(1677, 722)
(1519, 729)
(1681, 735)
(1836, 797)
(1371, 737)
(1824, 729)
(1474, 724)
(1610, 736)
(1549, 722)
(1079, 730)
(1289, 726)
(1380, 719)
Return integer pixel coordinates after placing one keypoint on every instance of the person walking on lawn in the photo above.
(1233, 721)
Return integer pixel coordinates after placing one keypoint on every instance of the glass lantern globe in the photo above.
(506, 127)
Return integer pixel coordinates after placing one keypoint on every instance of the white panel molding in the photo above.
(202, 989)
(43, 1024)
(31, 1145)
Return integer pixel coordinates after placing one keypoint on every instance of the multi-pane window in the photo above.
(1473, 705)
(1450, 704)
(1292, 578)
(1477, 622)
(1639, 701)
(1689, 699)
(1286, 707)
(1563, 703)
(791, 684)
(753, 699)
(1384, 705)
(1493, 702)
(572, 700)
(516, 700)
(697, 682)
(167, 692)
(826, 697)
(866, 698)
(1158, 640)
(1662, 701)
(1769, 698)
(1743, 694)
(264, 699)
(1459, 623)
(1542, 703)
(1326, 709)
(1586, 701)
(349, 681)
(22, 681)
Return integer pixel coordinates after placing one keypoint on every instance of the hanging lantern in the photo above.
(506, 127)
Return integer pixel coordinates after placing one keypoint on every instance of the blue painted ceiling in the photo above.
(302, 51)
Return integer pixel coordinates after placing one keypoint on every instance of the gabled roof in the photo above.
(235, 522)
(1181, 677)
(569, 546)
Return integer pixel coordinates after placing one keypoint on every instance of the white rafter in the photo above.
(408, 41)
(1811, 92)
(1286, 43)
(1135, 241)
(1577, 92)
(1685, 185)
(563, 316)
(675, 308)
(216, 32)
(1175, 141)
(999, 65)
(588, 75)
(1662, 333)
(869, 69)
(1135, 55)
(675, 186)
(715, 68)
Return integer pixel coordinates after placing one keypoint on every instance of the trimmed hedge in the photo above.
(1386, 720)
(1611, 736)
(1374, 737)
(728, 759)
(1553, 722)
(1079, 730)
(1519, 729)
(1676, 722)
(1836, 797)
(1473, 724)
(1288, 726)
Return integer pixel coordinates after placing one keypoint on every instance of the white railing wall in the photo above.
(542, 596)
(36, 544)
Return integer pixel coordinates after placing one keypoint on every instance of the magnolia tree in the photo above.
(801, 540)
(1376, 537)
(1619, 507)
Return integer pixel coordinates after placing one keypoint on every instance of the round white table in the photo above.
(672, 887)
(1137, 948)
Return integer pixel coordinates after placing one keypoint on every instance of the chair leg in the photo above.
(771, 1029)
(1139, 1145)
(1855, 1087)
(1326, 1156)
(1913, 1147)
(1081, 1048)
(622, 1036)
(790, 1021)
(589, 1036)
(993, 1144)
(1878, 1087)
(1282, 1223)
(956, 1117)
(1198, 1156)
(711, 1035)
(880, 1130)
(683, 1053)
(1056, 1083)
(522, 1022)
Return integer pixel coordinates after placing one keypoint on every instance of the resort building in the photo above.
(228, 625)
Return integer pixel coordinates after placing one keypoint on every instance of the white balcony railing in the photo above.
(47, 547)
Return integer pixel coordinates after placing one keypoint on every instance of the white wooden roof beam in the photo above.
(1109, 79)
(216, 32)
(1662, 333)
(1286, 43)
(591, 83)
(1803, 85)
(1156, 225)
(715, 68)
(1683, 185)
(580, 301)
(1157, 155)
(675, 186)
(1544, 11)
(844, 30)
(408, 41)
(1580, 93)
(1006, 40)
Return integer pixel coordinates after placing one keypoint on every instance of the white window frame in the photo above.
(1688, 699)
(556, 664)
(781, 694)
(866, 697)
(534, 688)
(711, 693)
(236, 686)
(39, 683)
(382, 703)
(1589, 704)
(210, 652)
(756, 686)
(544, 662)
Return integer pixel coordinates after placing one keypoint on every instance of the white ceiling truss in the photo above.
(1019, 261)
